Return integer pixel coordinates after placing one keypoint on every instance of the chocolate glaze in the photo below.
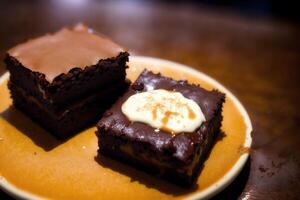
(54, 54)
(182, 145)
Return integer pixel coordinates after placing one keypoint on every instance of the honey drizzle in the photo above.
(154, 111)
(168, 114)
(165, 121)
(192, 115)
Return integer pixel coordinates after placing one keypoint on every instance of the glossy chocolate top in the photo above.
(182, 143)
(54, 54)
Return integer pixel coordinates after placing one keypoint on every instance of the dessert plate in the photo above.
(35, 165)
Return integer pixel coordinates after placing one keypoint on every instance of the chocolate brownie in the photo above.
(71, 86)
(177, 157)
(61, 77)
(73, 117)
(66, 65)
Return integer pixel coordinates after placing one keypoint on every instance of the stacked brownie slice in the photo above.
(65, 80)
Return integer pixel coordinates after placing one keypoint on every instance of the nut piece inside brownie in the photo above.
(162, 126)
(67, 79)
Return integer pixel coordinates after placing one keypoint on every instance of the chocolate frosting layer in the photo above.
(182, 143)
(54, 54)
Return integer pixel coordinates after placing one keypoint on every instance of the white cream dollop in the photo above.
(166, 110)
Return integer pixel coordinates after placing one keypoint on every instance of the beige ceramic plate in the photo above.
(35, 165)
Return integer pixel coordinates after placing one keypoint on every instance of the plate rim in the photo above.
(210, 191)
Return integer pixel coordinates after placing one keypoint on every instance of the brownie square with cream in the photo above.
(65, 80)
(163, 126)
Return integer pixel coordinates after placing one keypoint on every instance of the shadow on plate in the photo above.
(32, 130)
(142, 177)
(150, 181)
(235, 189)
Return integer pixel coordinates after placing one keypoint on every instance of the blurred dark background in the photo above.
(283, 9)
(286, 10)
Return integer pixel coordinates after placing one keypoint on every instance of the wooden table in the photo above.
(257, 59)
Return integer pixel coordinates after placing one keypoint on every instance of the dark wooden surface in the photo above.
(256, 58)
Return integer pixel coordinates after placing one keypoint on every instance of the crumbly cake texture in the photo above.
(177, 158)
(69, 87)
(62, 89)
(72, 118)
